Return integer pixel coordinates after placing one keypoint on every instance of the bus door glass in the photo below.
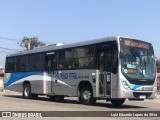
(105, 68)
(51, 65)
(101, 60)
(108, 63)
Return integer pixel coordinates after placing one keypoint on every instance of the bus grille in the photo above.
(137, 94)
(138, 82)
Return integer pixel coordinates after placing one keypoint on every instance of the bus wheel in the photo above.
(27, 91)
(86, 96)
(117, 102)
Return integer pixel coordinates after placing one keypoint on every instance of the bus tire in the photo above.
(117, 102)
(27, 91)
(86, 96)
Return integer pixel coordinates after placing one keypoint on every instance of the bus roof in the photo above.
(71, 45)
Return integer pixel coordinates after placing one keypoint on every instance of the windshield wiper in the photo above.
(134, 52)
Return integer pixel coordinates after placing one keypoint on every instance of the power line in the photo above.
(8, 48)
(9, 39)
(8, 52)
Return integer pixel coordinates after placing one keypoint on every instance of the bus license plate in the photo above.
(142, 96)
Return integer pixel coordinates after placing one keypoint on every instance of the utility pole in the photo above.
(29, 44)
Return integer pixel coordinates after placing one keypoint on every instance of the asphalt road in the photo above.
(12, 101)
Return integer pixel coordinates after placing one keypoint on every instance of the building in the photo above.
(1, 77)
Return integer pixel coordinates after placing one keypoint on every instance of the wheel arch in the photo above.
(26, 82)
(83, 84)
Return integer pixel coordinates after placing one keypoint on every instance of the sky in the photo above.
(69, 21)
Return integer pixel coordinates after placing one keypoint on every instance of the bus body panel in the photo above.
(67, 81)
(14, 81)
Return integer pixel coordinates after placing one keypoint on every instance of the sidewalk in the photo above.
(158, 96)
(1, 91)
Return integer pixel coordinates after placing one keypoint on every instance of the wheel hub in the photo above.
(26, 91)
(86, 95)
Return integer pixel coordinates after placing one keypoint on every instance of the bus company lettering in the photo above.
(65, 75)
(72, 76)
(56, 73)
(83, 77)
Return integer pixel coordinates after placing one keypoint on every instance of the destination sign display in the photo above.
(137, 44)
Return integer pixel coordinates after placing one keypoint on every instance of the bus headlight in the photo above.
(125, 85)
(155, 86)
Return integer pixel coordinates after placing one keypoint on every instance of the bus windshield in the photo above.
(138, 60)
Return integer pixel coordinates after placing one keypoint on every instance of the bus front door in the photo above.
(51, 63)
(104, 74)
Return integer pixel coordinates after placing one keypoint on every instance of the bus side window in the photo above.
(65, 59)
(60, 66)
(61, 62)
(49, 66)
(101, 63)
(51, 63)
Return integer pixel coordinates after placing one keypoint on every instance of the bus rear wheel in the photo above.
(27, 91)
(86, 96)
(118, 102)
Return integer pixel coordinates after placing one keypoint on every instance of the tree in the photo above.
(30, 43)
(158, 65)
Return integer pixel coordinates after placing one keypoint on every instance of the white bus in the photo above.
(110, 68)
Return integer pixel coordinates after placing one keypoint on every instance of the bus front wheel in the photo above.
(118, 102)
(86, 96)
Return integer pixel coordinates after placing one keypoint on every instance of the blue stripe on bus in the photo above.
(10, 78)
(135, 87)
(132, 86)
